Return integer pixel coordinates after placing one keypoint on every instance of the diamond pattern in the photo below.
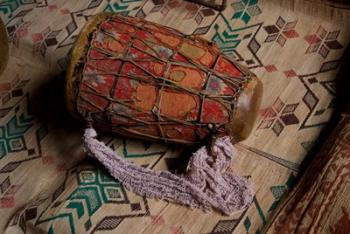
(245, 10)
(289, 119)
(323, 42)
(281, 31)
(310, 100)
(277, 128)
(270, 68)
(290, 73)
(114, 194)
(290, 108)
(5, 184)
(11, 166)
(245, 42)
(108, 223)
(247, 224)
(278, 105)
(225, 226)
(135, 206)
(278, 116)
(31, 213)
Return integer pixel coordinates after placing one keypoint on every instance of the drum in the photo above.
(140, 79)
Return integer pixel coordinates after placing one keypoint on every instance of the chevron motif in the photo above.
(94, 189)
(88, 200)
(127, 154)
(278, 191)
(78, 206)
(123, 6)
(87, 195)
(229, 39)
(7, 7)
(70, 218)
(11, 134)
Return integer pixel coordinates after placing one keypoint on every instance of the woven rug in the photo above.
(46, 182)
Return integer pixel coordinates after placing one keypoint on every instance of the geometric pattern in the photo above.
(319, 89)
(281, 31)
(193, 14)
(94, 190)
(245, 9)
(319, 201)
(322, 42)
(278, 191)
(47, 184)
(279, 116)
(11, 134)
(10, 93)
(9, 6)
(44, 39)
(198, 13)
(226, 225)
(229, 39)
(17, 146)
(122, 6)
(163, 7)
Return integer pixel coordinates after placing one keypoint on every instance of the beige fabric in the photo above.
(48, 185)
(214, 4)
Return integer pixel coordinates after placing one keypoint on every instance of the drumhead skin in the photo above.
(140, 79)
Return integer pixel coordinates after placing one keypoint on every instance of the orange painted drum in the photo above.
(144, 80)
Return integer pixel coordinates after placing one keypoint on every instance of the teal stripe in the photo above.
(127, 155)
(68, 215)
(261, 213)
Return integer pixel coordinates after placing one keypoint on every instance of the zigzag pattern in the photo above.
(94, 189)
(127, 154)
(85, 195)
(9, 6)
(277, 191)
(12, 133)
(120, 6)
(229, 39)
(79, 208)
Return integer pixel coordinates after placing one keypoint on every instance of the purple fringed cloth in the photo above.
(208, 184)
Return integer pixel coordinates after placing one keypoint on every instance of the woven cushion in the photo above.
(295, 48)
(320, 200)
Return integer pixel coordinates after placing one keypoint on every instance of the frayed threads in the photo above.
(208, 184)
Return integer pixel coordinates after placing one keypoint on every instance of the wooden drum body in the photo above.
(144, 80)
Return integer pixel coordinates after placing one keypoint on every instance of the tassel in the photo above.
(208, 184)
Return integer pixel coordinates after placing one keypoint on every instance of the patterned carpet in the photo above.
(46, 182)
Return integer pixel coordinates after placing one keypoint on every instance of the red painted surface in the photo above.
(145, 80)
